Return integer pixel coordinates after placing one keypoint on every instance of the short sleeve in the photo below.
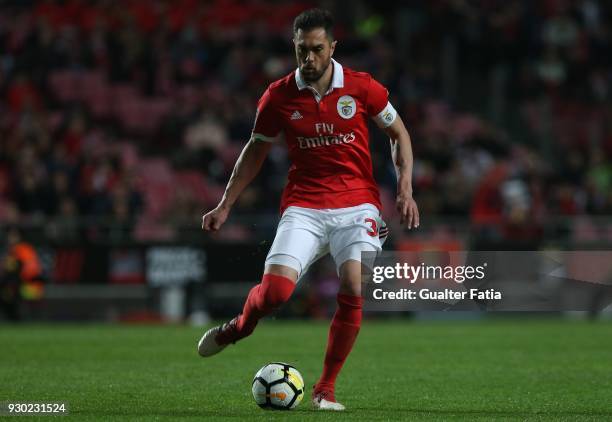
(378, 96)
(267, 123)
(378, 105)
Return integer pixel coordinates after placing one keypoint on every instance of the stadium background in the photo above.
(120, 122)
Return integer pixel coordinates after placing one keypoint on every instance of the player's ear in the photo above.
(333, 46)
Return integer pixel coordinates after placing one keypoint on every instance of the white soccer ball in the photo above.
(278, 386)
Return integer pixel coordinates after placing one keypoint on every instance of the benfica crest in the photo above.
(347, 107)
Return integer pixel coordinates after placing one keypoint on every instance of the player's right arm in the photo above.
(265, 132)
(246, 168)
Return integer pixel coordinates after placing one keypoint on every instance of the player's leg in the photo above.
(282, 271)
(295, 245)
(359, 233)
(275, 288)
(343, 332)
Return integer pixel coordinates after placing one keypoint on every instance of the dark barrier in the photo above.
(156, 264)
(144, 281)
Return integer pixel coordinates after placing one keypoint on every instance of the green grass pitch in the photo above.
(478, 370)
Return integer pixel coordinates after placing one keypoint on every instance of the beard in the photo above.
(313, 76)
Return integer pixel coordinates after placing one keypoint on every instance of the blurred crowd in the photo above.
(134, 112)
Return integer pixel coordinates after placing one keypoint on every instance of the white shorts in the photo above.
(305, 234)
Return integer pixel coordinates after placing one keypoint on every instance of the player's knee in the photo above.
(351, 288)
(350, 278)
(276, 290)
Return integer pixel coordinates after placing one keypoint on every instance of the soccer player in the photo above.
(331, 202)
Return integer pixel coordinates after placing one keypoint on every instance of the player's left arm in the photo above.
(401, 153)
(386, 117)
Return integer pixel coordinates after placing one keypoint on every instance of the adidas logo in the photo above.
(296, 115)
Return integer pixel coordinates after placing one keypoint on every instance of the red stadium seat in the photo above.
(65, 85)
(157, 184)
(129, 154)
(194, 181)
(95, 93)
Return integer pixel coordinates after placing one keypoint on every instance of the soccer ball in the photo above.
(278, 386)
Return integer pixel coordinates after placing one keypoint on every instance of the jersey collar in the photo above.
(337, 78)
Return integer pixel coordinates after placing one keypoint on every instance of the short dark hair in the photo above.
(314, 18)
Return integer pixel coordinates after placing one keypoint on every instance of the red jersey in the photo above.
(327, 137)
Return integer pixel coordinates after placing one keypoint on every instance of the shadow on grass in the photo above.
(201, 413)
(355, 413)
(483, 413)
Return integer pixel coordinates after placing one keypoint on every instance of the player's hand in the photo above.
(408, 210)
(213, 220)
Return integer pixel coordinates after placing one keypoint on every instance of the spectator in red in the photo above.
(22, 95)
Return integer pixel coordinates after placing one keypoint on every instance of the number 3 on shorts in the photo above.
(373, 228)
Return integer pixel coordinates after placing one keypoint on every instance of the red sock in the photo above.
(342, 334)
(263, 299)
